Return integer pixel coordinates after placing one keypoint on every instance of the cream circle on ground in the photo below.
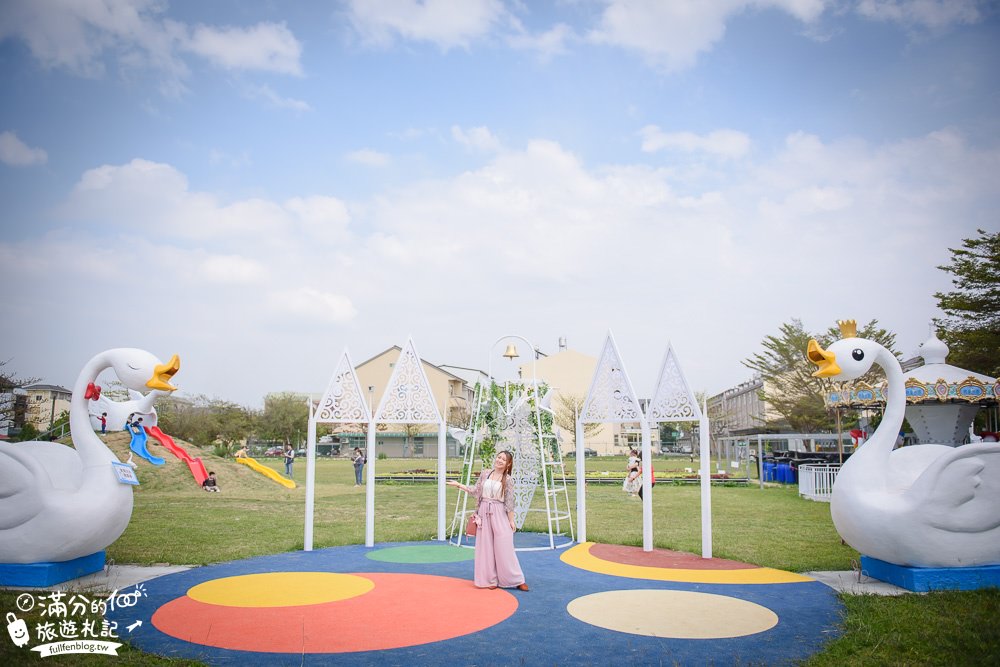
(280, 589)
(673, 614)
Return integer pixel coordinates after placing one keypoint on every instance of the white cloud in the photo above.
(534, 240)
(728, 144)
(324, 218)
(74, 34)
(369, 157)
(310, 303)
(83, 36)
(934, 14)
(265, 92)
(552, 42)
(671, 33)
(232, 269)
(151, 197)
(441, 22)
(16, 153)
(268, 47)
(477, 138)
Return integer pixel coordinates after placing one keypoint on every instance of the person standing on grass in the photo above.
(633, 476)
(289, 459)
(359, 461)
(495, 561)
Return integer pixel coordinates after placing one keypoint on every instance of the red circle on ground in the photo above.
(675, 560)
(402, 610)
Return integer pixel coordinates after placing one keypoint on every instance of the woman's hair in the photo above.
(510, 462)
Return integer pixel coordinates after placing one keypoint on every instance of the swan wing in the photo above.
(960, 491)
(20, 487)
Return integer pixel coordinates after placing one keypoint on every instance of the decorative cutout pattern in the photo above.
(519, 437)
(673, 399)
(611, 397)
(343, 402)
(408, 398)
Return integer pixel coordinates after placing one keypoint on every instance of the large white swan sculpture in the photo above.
(918, 506)
(138, 404)
(58, 503)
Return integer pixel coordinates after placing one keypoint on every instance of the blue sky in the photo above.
(256, 185)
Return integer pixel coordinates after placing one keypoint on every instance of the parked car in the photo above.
(274, 451)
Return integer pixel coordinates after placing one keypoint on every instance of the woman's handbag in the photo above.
(470, 528)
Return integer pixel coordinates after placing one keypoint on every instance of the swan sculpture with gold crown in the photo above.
(58, 503)
(919, 506)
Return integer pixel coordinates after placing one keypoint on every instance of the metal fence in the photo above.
(816, 481)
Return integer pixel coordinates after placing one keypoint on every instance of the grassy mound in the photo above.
(174, 475)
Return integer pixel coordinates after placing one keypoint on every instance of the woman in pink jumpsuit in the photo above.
(496, 561)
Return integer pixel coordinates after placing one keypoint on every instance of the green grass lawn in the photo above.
(175, 522)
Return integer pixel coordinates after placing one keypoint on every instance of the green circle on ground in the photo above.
(433, 553)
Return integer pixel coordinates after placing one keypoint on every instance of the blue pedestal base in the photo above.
(923, 579)
(46, 574)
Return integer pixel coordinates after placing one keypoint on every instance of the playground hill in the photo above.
(174, 476)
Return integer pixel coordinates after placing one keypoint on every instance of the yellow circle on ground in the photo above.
(280, 589)
(673, 614)
(580, 556)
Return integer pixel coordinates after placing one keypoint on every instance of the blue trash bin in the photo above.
(782, 473)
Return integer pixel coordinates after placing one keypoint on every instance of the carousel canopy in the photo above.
(934, 382)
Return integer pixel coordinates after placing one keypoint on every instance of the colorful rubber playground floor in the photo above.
(415, 604)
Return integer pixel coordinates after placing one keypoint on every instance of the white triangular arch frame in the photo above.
(343, 402)
(408, 398)
(598, 407)
(673, 399)
(610, 398)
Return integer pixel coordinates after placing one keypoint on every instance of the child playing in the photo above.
(210, 484)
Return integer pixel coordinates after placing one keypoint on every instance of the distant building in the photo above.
(452, 394)
(45, 403)
(569, 374)
(740, 410)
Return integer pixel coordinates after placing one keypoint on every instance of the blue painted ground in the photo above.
(540, 632)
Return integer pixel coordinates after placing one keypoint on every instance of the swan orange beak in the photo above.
(162, 374)
(827, 361)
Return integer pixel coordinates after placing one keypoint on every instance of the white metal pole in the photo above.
(581, 483)
(706, 486)
(647, 488)
(310, 479)
(370, 488)
(442, 466)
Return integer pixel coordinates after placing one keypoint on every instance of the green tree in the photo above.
(972, 328)
(790, 389)
(565, 409)
(206, 421)
(12, 406)
(409, 432)
(27, 434)
(285, 417)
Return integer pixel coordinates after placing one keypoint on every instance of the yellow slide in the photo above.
(267, 472)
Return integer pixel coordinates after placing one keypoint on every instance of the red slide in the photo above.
(196, 466)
